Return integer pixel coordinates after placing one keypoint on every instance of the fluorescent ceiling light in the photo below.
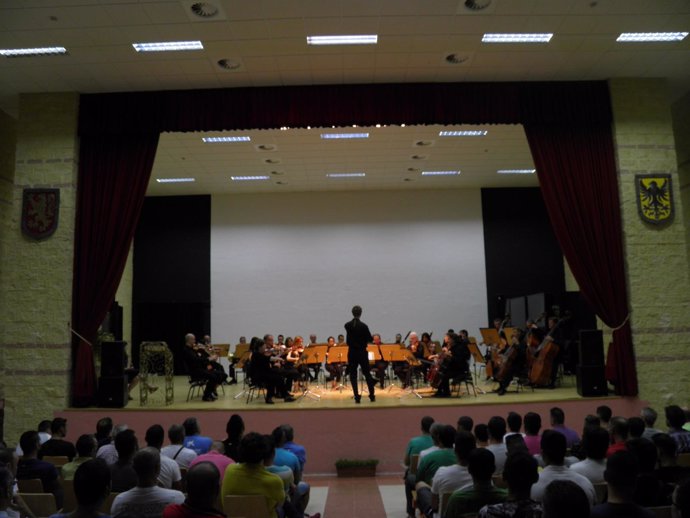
(344, 135)
(248, 178)
(518, 37)
(463, 133)
(175, 180)
(652, 36)
(345, 175)
(167, 46)
(214, 140)
(355, 39)
(516, 171)
(38, 51)
(440, 173)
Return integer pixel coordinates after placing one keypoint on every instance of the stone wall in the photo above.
(36, 276)
(657, 259)
(681, 133)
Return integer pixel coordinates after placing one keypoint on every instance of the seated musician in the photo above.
(454, 362)
(295, 348)
(425, 352)
(200, 367)
(381, 365)
(212, 352)
(403, 369)
(208, 352)
(335, 369)
(263, 371)
(278, 362)
(514, 362)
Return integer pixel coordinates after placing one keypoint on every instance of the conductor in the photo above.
(358, 336)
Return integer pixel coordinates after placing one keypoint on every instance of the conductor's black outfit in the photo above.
(358, 336)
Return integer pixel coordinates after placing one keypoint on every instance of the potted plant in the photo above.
(356, 467)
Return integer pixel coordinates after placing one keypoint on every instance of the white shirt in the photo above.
(500, 453)
(169, 473)
(108, 453)
(592, 469)
(449, 478)
(427, 451)
(183, 458)
(145, 502)
(551, 473)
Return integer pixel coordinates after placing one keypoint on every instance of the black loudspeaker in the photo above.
(113, 359)
(591, 347)
(591, 381)
(112, 391)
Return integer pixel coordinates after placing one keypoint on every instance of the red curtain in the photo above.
(114, 172)
(577, 175)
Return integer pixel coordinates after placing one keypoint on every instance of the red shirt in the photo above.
(185, 511)
(616, 446)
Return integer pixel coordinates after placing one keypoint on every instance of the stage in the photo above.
(333, 426)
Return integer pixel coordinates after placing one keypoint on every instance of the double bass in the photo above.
(493, 360)
(544, 357)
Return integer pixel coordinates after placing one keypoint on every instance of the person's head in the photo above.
(593, 421)
(281, 339)
(207, 339)
(289, 342)
(465, 423)
(253, 448)
(191, 426)
(675, 417)
(514, 422)
(86, 445)
(268, 340)
(481, 464)
(667, 449)
(147, 465)
(278, 436)
(331, 340)
(356, 311)
(635, 427)
(621, 473)
(649, 416)
(681, 500)
(413, 338)
(376, 338)
(557, 416)
(103, 427)
(532, 423)
(497, 428)
(481, 432)
(126, 445)
(92, 483)
(595, 442)
(464, 444)
(29, 443)
(312, 338)
(257, 345)
(564, 499)
(217, 446)
(398, 338)
(176, 434)
(446, 436)
(234, 427)
(44, 426)
(189, 339)
(341, 339)
(203, 485)
(645, 452)
(426, 337)
(426, 423)
(58, 427)
(553, 447)
(618, 426)
(604, 412)
(435, 431)
(154, 436)
(117, 429)
(289, 432)
(243, 340)
(520, 472)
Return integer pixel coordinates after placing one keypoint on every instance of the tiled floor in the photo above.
(357, 497)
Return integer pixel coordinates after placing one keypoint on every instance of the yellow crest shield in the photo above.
(654, 197)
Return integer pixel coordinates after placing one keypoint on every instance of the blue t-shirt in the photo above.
(286, 458)
(198, 443)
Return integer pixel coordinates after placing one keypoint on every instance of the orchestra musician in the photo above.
(404, 370)
(453, 361)
(295, 348)
(335, 369)
(262, 370)
(358, 336)
(514, 362)
(380, 365)
(278, 363)
(200, 367)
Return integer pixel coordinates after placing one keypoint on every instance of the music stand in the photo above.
(374, 355)
(412, 362)
(312, 355)
(243, 354)
(338, 354)
(478, 358)
(391, 353)
(489, 336)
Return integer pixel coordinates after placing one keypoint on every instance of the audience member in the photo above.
(203, 487)
(667, 452)
(234, 430)
(86, 450)
(649, 417)
(635, 427)
(146, 499)
(282, 456)
(481, 433)
(482, 491)
(444, 456)
(520, 473)
(107, 452)
(558, 424)
(465, 423)
(91, 488)
(651, 491)
(57, 445)
(621, 473)
(435, 441)
(176, 450)
(291, 446)
(497, 429)
(414, 447)
(553, 448)
(532, 423)
(514, 421)
(44, 430)
(604, 414)
(30, 467)
(595, 442)
(216, 457)
(193, 438)
(618, 428)
(104, 428)
(122, 474)
(681, 500)
(675, 419)
(565, 499)
(169, 475)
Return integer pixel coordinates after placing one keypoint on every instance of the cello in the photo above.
(509, 358)
(544, 358)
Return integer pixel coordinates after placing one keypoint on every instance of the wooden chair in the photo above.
(108, 503)
(255, 506)
(601, 489)
(69, 502)
(57, 460)
(684, 459)
(30, 485)
(661, 512)
(414, 462)
(42, 505)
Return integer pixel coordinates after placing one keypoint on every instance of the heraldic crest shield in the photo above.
(40, 210)
(654, 197)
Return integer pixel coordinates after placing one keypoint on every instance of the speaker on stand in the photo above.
(112, 384)
(591, 373)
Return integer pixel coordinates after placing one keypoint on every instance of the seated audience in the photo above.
(176, 450)
(520, 473)
(193, 438)
(435, 442)
(514, 421)
(291, 446)
(604, 414)
(649, 416)
(104, 428)
(482, 491)
(651, 491)
(169, 475)
(621, 474)
(636, 427)
(532, 423)
(107, 452)
(465, 423)
(57, 445)
(558, 424)
(618, 428)
(44, 430)
(146, 499)
(91, 488)
(234, 430)
(497, 430)
(216, 457)
(203, 487)
(595, 442)
(565, 499)
(30, 467)
(481, 433)
(414, 447)
(553, 448)
(122, 474)
(444, 456)
(667, 452)
(675, 419)
(86, 450)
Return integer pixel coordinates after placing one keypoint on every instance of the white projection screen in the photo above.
(295, 264)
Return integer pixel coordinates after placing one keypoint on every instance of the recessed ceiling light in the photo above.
(167, 46)
(463, 133)
(38, 51)
(345, 175)
(335, 136)
(518, 37)
(248, 178)
(440, 173)
(175, 180)
(516, 171)
(216, 140)
(652, 36)
(354, 39)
